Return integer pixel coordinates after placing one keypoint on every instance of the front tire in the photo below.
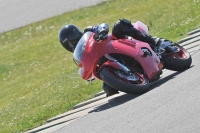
(109, 76)
(179, 61)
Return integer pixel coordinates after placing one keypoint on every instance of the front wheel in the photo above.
(134, 83)
(179, 61)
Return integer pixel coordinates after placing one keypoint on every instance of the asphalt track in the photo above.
(171, 105)
(18, 13)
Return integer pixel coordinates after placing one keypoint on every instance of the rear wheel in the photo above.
(134, 83)
(179, 61)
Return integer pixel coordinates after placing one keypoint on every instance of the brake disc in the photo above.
(130, 77)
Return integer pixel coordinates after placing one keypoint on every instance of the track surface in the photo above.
(18, 13)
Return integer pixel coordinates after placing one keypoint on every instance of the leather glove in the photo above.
(101, 32)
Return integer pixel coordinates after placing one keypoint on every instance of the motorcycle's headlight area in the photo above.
(78, 54)
(80, 48)
(83, 47)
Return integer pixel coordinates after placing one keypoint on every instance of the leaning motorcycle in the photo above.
(127, 65)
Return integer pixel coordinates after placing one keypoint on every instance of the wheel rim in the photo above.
(182, 54)
(133, 78)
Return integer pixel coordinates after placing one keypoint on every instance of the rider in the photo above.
(69, 36)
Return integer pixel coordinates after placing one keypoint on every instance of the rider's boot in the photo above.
(109, 90)
(155, 46)
(157, 41)
(171, 49)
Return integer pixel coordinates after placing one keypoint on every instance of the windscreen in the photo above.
(80, 48)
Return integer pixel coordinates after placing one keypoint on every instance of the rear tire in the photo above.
(179, 61)
(108, 75)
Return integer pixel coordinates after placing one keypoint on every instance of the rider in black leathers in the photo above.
(123, 28)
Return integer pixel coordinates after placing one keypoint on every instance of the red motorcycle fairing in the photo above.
(95, 50)
(150, 64)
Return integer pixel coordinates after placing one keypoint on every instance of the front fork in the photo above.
(122, 71)
(121, 66)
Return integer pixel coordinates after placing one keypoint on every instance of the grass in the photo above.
(38, 78)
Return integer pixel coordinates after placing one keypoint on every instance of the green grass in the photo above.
(38, 78)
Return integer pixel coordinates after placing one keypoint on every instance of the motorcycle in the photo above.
(127, 65)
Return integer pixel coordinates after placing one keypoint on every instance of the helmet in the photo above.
(69, 36)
